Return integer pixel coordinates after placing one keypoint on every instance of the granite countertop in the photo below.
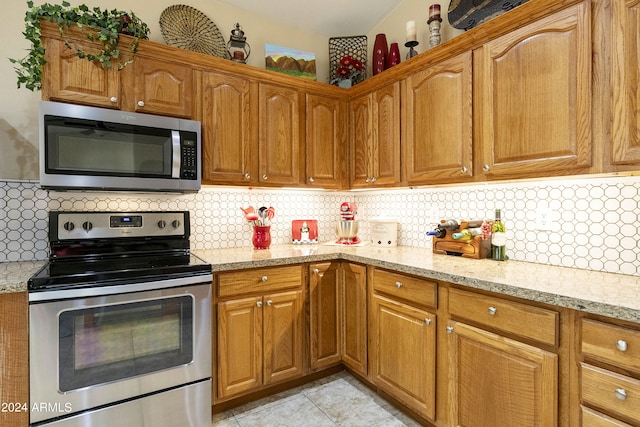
(612, 295)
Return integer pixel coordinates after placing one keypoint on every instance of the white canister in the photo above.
(383, 232)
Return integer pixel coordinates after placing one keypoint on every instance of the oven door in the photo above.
(87, 352)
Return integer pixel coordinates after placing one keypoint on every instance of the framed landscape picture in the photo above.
(290, 61)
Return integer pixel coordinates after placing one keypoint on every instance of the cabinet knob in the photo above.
(621, 345)
(373, 179)
(427, 321)
(247, 175)
(367, 180)
(140, 103)
(492, 311)
(264, 278)
(269, 303)
(621, 393)
(259, 303)
(264, 176)
(113, 99)
(398, 285)
(311, 179)
(316, 271)
(464, 169)
(449, 329)
(486, 168)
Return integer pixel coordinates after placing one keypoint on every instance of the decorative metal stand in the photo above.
(411, 44)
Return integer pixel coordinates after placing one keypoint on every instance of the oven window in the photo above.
(104, 344)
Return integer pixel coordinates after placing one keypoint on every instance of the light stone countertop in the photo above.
(612, 295)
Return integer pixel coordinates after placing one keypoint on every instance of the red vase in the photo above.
(394, 55)
(261, 238)
(380, 51)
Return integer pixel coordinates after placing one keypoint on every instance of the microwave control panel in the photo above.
(189, 156)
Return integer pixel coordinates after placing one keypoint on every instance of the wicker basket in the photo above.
(354, 46)
(188, 28)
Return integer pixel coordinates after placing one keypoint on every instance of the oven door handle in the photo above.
(85, 292)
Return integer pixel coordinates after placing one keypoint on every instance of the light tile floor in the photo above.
(337, 400)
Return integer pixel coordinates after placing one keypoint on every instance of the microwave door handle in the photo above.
(177, 158)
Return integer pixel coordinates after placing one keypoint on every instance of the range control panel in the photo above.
(107, 225)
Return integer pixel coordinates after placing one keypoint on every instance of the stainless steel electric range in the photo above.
(120, 318)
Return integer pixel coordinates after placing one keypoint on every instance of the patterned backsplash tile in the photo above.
(594, 221)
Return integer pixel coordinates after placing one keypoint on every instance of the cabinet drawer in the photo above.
(610, 391)
(414, 290)
(614, 344)
(591, 418)
(521, 319)
(259, 280)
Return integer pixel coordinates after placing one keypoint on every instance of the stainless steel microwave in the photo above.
(90, 148)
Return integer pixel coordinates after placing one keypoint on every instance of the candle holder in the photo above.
(411, 44)
(434, 24)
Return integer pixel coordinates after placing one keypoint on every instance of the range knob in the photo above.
(162, 224)
(87, 226)
(175, 223)
(68, 226)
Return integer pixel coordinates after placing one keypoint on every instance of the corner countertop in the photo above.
(607, 294)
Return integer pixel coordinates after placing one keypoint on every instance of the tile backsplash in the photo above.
(594, 221)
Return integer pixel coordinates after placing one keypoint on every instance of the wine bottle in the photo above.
(467, 233)
(498, 238)
(438, 232)
(449, 224)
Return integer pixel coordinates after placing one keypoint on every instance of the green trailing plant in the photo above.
(107, 25)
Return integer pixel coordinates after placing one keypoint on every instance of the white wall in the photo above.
(18, 107)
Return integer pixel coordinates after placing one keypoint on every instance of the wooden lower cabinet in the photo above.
(499, 382)
(324, 316)
(261, 337)
(354, 317)
(403, 353)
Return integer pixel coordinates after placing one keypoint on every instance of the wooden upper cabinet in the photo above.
(162, 87)
(437, 138)
(326, 141)
(229, 122)
(68, 78)
(625, 77)
(533, 89)
(375, 138)
(280, 135)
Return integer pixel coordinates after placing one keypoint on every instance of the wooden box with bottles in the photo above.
(467, 245)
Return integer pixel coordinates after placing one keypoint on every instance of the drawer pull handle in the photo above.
(316, 271)
(621, 393)
(427, 321)
(398, 285)
(621, 345)
(264, 278)
(492, 311)
(269, 302)
(449, 329)
(259, 303)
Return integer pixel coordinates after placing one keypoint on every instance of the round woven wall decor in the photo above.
(187, 28)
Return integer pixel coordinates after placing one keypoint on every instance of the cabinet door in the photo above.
(326, 141)
(279, 136)
(283, 336)
(239, 346)
(438, 141)
(229, 122)
(625, 62)
(386, 135)
(403, 353)
(324, 288)
(360, 111)
(354, 317)
(69, 78)
(499, 382)
(534, 112)
(163, 87)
